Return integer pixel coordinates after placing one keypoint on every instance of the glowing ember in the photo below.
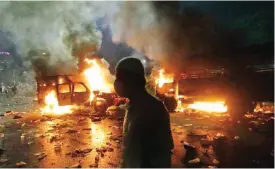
(96, 78)
(216, 107)
(52, 106)
(164, 78)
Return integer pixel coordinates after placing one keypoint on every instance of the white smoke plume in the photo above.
(44, 25)
(160, 32)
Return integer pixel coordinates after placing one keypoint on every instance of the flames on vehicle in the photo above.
(51, 105)
(97, 78)
(168, 86)
(163, 78)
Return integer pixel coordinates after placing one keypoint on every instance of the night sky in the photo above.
(256, 18)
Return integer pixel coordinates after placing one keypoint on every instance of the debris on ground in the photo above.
(17, 117)
(3, 160)
(20, 164)
(194, 161)
(57, 147)
(190, 154)
(236, 137)
(187, 125)
(53, 138)
(197, 133)
(96, 159)
(112, 165)
(93, 165)
(80, 152)
(95, 119)
(210, 166)
(88, 129)
(40, 155)
(71, 131)
(215, 162)
(76, 166)
(188, 146)
(110, 149)
(30, 142)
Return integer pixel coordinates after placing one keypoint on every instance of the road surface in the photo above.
(77, 140)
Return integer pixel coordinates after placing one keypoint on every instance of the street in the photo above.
(82, 140)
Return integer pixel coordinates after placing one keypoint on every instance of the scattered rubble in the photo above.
(215, 162)
(197, 133)
(3, 160)
(112, 165)
(194, 161)
(93, 165)
(76, 166)
(210, 166)
(80, 152)
(71, 131)
(110, 149)
(40, 155)
(17, 117)
(20, 164)
(87, 129)
(191, 152)
(30, 142)
(95, 119)
(187, 125)
(57, 147)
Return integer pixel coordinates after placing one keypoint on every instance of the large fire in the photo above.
(164, 78)
(211, 107)
(52, 106)
(96, 78)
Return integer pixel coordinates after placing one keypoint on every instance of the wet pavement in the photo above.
(80, 140)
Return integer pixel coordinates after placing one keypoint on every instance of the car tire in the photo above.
(100, 106)
(170, 103)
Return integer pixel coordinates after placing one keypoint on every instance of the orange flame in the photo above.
(215, 107)
(96, 78)
(52, 106)
(164, 78)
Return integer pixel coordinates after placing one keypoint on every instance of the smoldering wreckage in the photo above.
(78, 118)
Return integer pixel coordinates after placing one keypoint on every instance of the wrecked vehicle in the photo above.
(199, 90)
(70, 90)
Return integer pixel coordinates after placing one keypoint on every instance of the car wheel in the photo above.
(170, 103)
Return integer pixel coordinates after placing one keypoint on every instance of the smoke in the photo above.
(160, 30)
(178, 38)
(49, 25)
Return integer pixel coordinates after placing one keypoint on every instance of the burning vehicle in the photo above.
(90, 86)
(199, 90)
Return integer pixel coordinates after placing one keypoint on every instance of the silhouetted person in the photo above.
(147, 135)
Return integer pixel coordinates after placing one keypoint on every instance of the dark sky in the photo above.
(256, 18)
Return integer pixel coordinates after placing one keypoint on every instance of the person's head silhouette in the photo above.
(129, 77)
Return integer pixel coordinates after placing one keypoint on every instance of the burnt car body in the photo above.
(67, 91)
(70, 90)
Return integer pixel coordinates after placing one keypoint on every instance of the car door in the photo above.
(81, 93)
(64, 94)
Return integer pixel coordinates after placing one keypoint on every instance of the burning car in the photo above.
(200, 90)
(62, 93)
